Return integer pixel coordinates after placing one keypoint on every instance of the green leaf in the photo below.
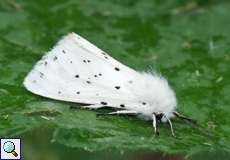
(186, 41)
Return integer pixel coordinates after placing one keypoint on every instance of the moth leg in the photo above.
(171, 127)
(93, 106)
(155, 125)
(121, 112)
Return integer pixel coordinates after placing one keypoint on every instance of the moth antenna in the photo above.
(182, 117)
(171, 127)
(194, 124)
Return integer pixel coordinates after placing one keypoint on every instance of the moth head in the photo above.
(165, 103)
(159, 116)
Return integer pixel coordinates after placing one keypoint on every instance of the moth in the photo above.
(77, 71)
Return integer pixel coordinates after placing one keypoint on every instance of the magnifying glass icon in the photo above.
(9, 147)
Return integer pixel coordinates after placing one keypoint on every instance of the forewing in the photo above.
(77, 71)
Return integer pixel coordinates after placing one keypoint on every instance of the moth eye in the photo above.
(159, 116)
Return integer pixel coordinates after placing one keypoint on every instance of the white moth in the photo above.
(77, 71)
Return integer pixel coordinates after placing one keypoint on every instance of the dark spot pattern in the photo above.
(63, 51)
(45, 63)
(106, 57)
(122, 105)
(104, 103)
(143, 103)
(130, 81)
(77, 76)
(71, 61)
(117, 69)
(100, 74)
(103, 53)
(88, 82)
(78, 92)
(59, 92)
(41, 74)
(117, 87)
(86, 61)
(95, 75)
(55, 58)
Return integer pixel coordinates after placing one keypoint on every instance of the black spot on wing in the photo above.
(86, 61)
(78, 92)
(117, 69)
(63, 51)
(104, 103)
(100, 74)
(55, 58)
(117, 87)
(143, 103)
(130, 81)
(77, 76)
(89, 82)
(122, 105)
(95, 75)
(41, 74)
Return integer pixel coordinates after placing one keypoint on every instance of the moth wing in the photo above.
(77, 71)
